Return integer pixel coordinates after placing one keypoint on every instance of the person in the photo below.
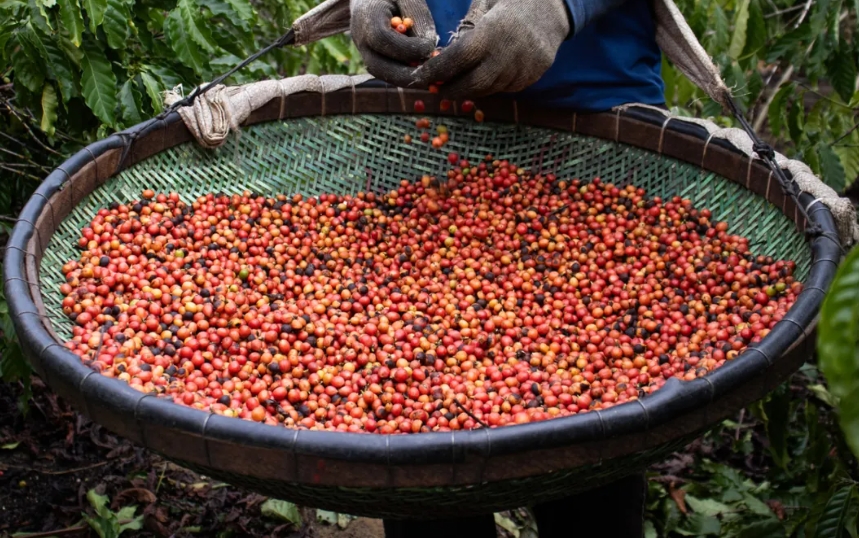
(584, 55)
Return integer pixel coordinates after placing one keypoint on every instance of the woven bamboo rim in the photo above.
(431, 460)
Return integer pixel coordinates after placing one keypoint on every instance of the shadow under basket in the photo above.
(351, 140)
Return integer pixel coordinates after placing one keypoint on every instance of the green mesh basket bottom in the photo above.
(348, 154)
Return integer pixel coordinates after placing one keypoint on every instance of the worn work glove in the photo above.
(500, 46)
(387, 54)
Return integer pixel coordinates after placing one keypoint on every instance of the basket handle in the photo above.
(329, 18)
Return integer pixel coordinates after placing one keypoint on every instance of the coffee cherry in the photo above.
(420, 107)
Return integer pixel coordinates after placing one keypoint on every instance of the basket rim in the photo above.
(675, 399)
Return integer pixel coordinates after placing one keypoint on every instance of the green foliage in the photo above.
(79, 69)
(837, 346)
(803, 487)
(836, 513)
(791, 66)
(281, 510)
(107, 523)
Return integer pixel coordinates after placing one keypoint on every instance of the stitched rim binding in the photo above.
(248, 452)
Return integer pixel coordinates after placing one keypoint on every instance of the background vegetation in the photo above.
(73, 71)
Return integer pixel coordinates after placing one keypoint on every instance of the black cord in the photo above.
(788, 186)
(286, 39)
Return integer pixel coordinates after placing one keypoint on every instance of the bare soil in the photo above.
(51, 458)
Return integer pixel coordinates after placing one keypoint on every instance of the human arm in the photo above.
(507, 45)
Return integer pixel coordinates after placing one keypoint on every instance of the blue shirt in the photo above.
(609, 60)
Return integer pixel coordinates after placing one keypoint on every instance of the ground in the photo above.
(53, 458)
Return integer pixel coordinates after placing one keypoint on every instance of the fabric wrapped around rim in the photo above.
(223, 109)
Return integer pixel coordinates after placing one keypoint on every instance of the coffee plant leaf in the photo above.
(837, 349)
(194, 25)
(95, 10)
(49, 110)
(153, 90)
(741, 23)
(788, 45)
(848, 152)
(98, 83)
(25, 61)
(795, 120)
(831, 170)
(841, 70)
(243, 9)
(130, 104)
(831, 523)
(43, 6)
(116, 24)
(186, 49)
(777, 112)
(73, 22)
(756, 29)
(61, 67)
(721, 29)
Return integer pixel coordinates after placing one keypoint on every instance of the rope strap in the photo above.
(788, 187)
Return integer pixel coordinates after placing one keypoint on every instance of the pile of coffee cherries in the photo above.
(488, 298)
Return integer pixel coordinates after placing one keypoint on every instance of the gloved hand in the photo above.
(387, 54)
(500, 46)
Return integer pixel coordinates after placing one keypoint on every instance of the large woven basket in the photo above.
(348, 141)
